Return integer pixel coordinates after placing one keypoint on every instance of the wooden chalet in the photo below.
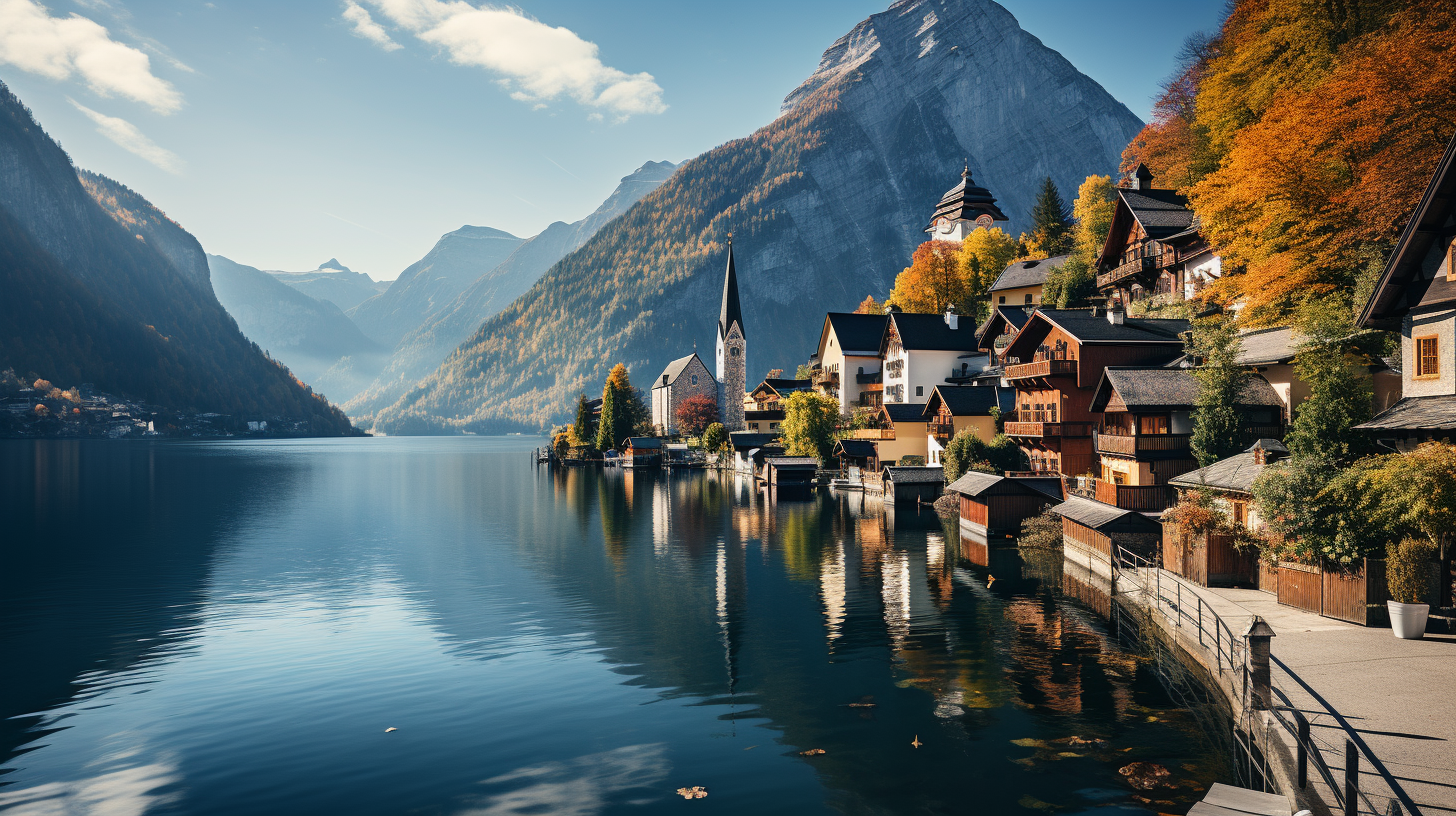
(857, 453)
(1212, 559)
(955, 408)
(790, 471)
(1416, 295)
(994, 506)
(642, 451)
(1153, 246)
(1092, 531)
(1060, 355)
(999, 330)
(1145, 431)
(771, 393)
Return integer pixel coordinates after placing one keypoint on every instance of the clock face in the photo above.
(985, 221)
(943, 224)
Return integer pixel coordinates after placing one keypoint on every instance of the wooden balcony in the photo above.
(823, 377)
(873, 433)
(942, 432)
(1141, 498)
(1125, 270)
(1146, 446)
(1041, 368)
(1069, 430)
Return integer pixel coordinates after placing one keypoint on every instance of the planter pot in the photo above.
(1408, 621)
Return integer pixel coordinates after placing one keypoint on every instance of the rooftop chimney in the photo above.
(1142, 178)
(951, 319)
(1116, 316)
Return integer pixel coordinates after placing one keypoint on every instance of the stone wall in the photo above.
(665, 400)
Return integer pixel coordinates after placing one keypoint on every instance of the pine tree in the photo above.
(617, 413)
(1051, 223)
(584, 430)
(1220, 382)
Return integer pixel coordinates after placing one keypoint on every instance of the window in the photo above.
(1028, 298)
(1428, 362)
(919, 390)
(1003, 299)
(734, 351)
(1241, 514)
(695, 379)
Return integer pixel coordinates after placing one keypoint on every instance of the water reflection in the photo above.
(570, 641)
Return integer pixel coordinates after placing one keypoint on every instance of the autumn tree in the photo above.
(983, 256)
(933, 280)
(695, 414)
(1051, 223)
(870, 306)
(810, 421)
(1096, 202)
(617, 410)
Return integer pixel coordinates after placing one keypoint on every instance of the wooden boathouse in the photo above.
(994, 506)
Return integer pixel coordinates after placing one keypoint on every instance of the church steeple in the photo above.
(732, 351)
(731, 312)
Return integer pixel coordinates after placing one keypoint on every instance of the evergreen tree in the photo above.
(584, 430)
(1051, 223)
(1341, 393)
(1220, 382)
(617, 410)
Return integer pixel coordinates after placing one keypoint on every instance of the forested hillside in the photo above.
(113, 296)
(825, 203)
(1303, 134)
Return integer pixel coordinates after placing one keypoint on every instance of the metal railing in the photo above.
(1186, 610)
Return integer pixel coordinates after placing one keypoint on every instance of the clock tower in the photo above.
(962, 209)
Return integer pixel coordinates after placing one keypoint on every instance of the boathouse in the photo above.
(994, 506)
(907, 485)
(749, 449)
(790, 471)
(1210, 557)
(642, 451)
(857, 453)
(1092, 531)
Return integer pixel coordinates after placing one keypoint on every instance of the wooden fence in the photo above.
(1357, 594)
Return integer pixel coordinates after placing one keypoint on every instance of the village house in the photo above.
(901, 432)
(1416, 295)
(920, 351)
(1065, 352)
(857, 453)
(1022, 283)
(849, 360)
(1212, 558)
(683, 378)
(955, 408)
(1153, 246)
(1271, 353)
(1144, 434)
(999, 330)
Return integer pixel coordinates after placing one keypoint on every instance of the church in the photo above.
(687, 377)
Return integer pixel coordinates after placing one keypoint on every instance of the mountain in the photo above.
(333, 282)
(101, 287)
(826, 204)
(422, 350)
(456, 261)
(307, 335)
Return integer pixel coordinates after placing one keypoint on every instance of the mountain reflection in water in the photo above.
(231, 627)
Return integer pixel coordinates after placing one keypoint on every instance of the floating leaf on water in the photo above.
(1151, 718)
(916, 742)
(750, 748)
(1026, 762)
(1028, 742)
(391, 728)
(1145, 775)
(812, 752)
(1080, 741)
(1069, 755)
(1029, 801)
(1189, 767)
(695, 792)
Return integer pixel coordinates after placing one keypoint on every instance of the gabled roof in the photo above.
(970, 400)
(1236, 473)
(795, 462)
(1031, 272)
(924, 332)
(675, 369)
(782, 386)
(974, 483)
(1105, 517)
(855, 332)
(915, 475)
(1269, 346)
(1161, 213)
(855, 448)
(966, 201)
(731, 312)
(1170, 388)
(1086, 327)
(904, 411)
(1003, 317)
(1434, 413)
(1405, 283)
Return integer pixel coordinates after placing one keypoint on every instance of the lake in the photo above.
(232, 627)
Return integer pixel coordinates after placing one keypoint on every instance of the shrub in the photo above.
(715, 437)
(912, 461)
(1408, 569)
(1043, 532)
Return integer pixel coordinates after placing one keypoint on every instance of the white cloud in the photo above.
(128, 138)
(364, 26)
(541, 62)
(57, 47)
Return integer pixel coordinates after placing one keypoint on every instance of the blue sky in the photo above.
(285, 132)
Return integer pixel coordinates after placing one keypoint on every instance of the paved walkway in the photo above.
(1399, 695)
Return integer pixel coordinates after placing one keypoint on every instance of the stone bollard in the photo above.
(1257, 636)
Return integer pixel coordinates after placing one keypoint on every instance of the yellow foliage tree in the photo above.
(932, 281)
(983, 255)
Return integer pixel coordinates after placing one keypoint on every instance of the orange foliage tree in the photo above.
(932, 281)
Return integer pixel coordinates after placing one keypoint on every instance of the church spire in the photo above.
(731, 310)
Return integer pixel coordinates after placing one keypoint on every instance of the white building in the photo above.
(920, 351)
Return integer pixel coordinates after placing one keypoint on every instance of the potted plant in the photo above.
(1407, 572)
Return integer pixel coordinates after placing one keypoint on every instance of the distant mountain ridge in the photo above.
(826, 204)
(334, 282)
(101, 287)
(425, 347)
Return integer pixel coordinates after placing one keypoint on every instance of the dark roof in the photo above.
(856, 448)
(746, 440)
(675, 369)
(1086, 327)
(924, 332)
(1269, 346)
(1436, 413)
(783, 385)
(1099, 516)
(974, 483)
(644, 442)
(731, 310)
(905, 411)
(1013, 316)
(1171, 388)
(915, 475)
(1031, 272)
(1236, 473)
(968, 201)
(969, 400)
(1162, 213)
(792, 461)
(858, 332)
(1403, 283)
(772, 413)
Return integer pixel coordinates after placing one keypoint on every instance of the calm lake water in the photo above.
(229, 628)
